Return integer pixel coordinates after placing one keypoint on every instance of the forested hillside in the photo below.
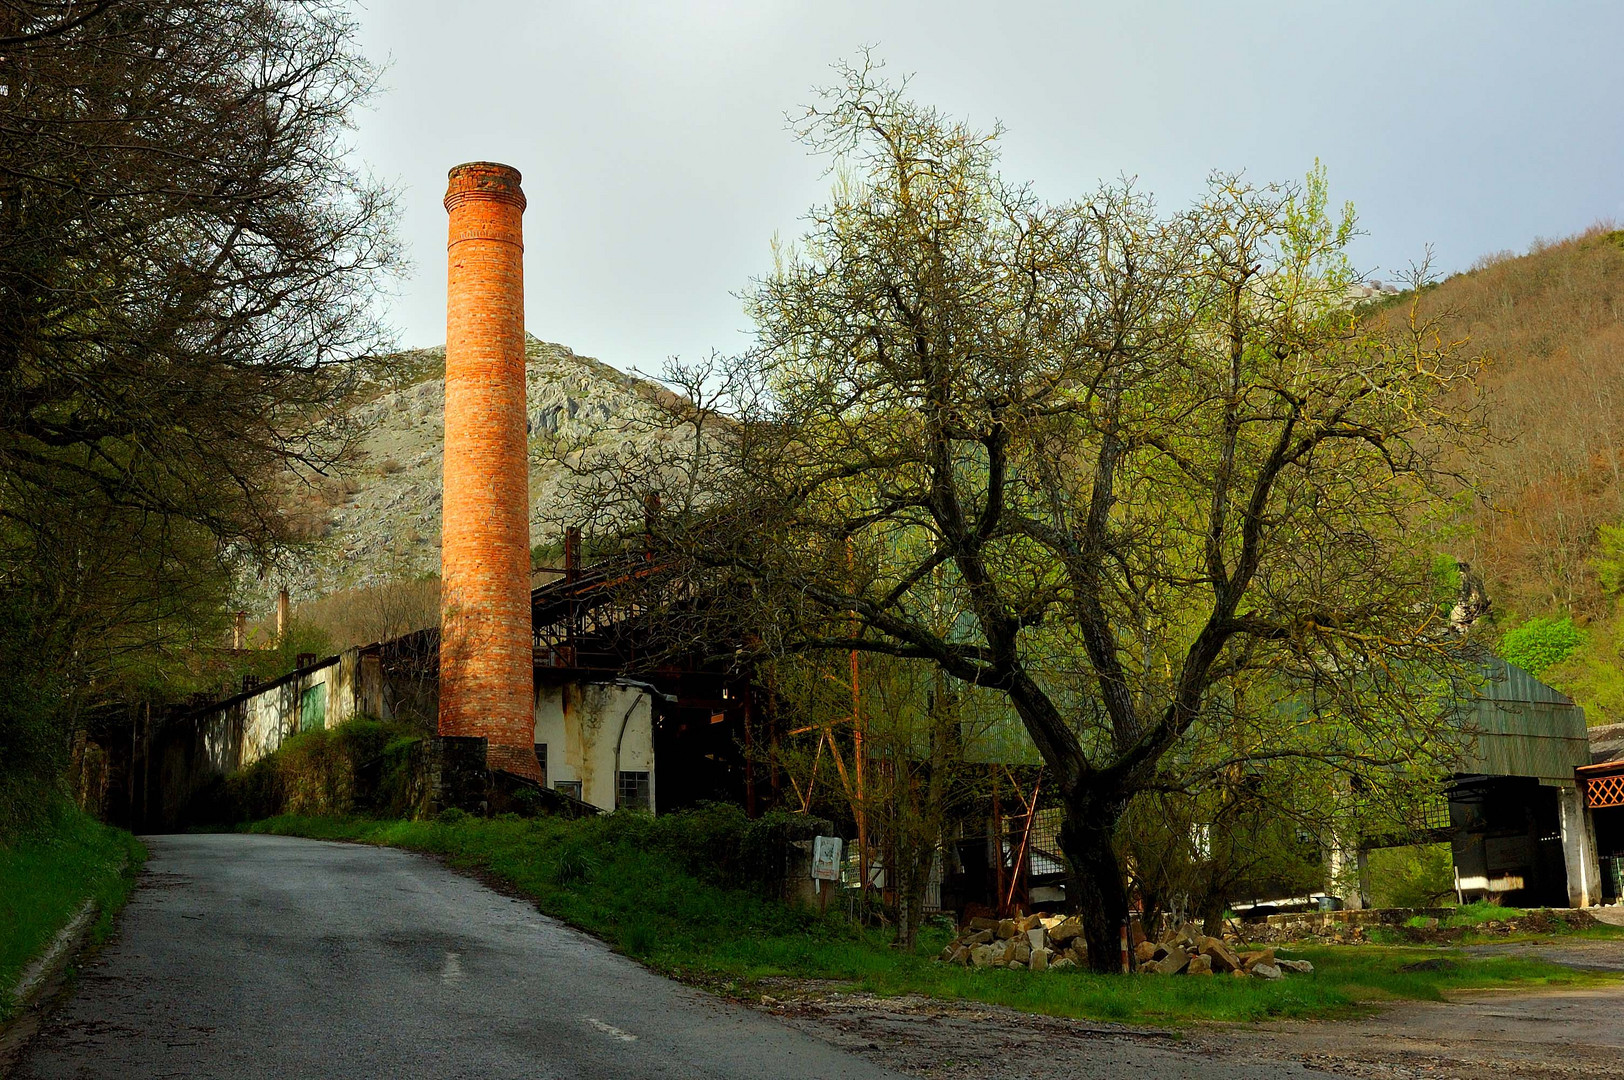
(1547, 531)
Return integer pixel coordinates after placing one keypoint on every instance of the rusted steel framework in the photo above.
(577, 621)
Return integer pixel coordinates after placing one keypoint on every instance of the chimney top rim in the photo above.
(483, 180)
(486, 167)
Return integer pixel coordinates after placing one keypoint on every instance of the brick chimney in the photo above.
(487, 675)
(282, 616)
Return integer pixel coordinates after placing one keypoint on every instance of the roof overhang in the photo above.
(1602, 784)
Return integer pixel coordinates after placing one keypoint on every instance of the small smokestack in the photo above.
(572, 554)
(282, 615)
(487, 674)
(239, 630)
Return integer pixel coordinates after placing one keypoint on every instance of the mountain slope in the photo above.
(1547, 536)
(1551, 324)
(379, 520)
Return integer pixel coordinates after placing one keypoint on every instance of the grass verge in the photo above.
(46, 876)
(620, 879)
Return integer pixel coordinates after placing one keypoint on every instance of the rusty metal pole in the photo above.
(749, 754)
(997, 844)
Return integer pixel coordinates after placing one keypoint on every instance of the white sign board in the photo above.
(826, 858)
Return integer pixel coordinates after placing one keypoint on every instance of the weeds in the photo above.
(1482, 911)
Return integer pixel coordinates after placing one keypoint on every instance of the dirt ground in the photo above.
(1544, 1035)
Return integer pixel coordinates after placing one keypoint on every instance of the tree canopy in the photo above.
(188, 260)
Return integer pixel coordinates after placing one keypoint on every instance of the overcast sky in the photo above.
(658, 165)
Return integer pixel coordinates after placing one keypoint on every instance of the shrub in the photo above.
(360, 765)
(576, 865)
(33, 738)
(1541, 642)
(719, 844)
(1479, 912)
(1417, 876)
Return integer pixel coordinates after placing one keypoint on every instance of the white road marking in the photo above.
(453, 968)
(610, 1030)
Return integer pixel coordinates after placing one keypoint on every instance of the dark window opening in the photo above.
(572, 788)
(631, 791)
(541, 759)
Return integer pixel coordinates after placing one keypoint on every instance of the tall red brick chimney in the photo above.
(487, 677)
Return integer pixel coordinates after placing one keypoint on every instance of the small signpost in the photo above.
(826, 852)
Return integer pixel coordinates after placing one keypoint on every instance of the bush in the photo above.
(1479, 912)
(361, 765)
(33, 741)
(719, 844)
(1417, 876)
(1541, 642)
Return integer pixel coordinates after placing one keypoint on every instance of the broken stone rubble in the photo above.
(1187, 951)
(1028, 942)
(1055, 943)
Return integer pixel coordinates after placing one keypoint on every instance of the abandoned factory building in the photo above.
(551, 678)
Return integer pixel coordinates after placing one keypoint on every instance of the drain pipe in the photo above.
(650, 692)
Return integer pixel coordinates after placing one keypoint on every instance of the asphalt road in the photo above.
(262, 956)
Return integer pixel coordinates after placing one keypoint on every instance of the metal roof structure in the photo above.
(1518, 726)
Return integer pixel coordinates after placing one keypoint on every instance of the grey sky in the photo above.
(658, 165)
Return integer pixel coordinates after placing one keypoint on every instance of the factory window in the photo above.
(631, 791)
(572, 788)
(541, 759)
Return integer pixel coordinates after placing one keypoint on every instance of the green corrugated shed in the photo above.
(1515, 726)
(1521, 727)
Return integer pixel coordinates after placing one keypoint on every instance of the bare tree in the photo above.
(188, 260)
(1102, 464)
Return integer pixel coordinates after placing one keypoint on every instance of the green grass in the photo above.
(1479, 912)
(626, 880)
(44, 878)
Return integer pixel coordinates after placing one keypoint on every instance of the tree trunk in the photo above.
(926, 827)
(1212, 911)
(1094, 882)
(911, 901)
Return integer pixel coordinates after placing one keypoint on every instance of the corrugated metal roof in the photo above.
(1518, 726)
(1506, 681)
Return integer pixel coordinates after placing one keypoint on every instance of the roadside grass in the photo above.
(1482, 923)
(1479, 912)
(646, 886)
(47, 874)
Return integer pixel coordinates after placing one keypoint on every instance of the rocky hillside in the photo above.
(380, 519)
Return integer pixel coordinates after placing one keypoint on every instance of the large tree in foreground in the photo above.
(188, 259)
(1143, 478)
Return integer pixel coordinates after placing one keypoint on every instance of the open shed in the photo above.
(1518, 826)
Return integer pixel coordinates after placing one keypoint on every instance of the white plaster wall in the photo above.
(580, 723)
(272, 715)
